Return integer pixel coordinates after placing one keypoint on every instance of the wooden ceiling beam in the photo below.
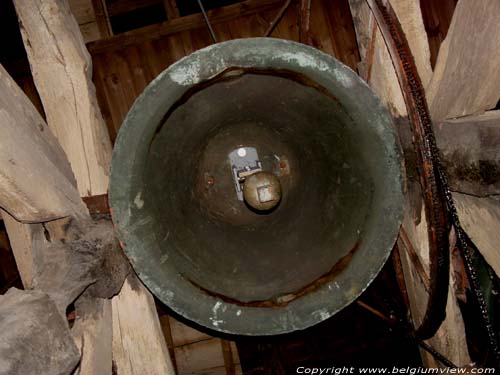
(176, 25)
(126, 6)
(171, 9)
(102, 18)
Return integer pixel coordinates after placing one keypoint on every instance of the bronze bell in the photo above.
(257, 186)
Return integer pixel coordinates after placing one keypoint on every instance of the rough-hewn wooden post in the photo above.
(36, 178)
(62, 70)
(36, 182)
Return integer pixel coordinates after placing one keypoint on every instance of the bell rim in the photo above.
(203, 309)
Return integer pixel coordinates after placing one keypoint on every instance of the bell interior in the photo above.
(216, 241)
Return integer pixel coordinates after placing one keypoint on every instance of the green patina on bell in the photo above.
(257, 186)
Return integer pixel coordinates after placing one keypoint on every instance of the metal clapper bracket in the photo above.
(244, 162)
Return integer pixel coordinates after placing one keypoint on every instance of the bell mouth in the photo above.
(215, 240)
(298, 115)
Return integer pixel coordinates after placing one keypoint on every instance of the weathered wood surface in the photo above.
(35, 338)
(101, 18)
(139, 346)
(202, 357)
(62, 73)
(450, 338)
(65, 267)
(65, 261)
(124, 67)
(480, 217)
(469, 152)
(61, 68)
(437, 18)
(176, 25)
(86, 17)
(171, 9)
(376, 66)
(126, 6)
(23, 238)
(305, 21)
(472, 49)
(87, 265)
(466, 77)
(470, 148)
(197, 353)
(36, 182)
(92, 325)
(183, 334)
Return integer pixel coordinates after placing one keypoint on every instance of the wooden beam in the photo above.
(62, 75)
(62, 71)
(23, 238)
(410, 15)
(305, 21)
(201, 357)
(92, 326)
(277, 18)
(173, 26)
(450, 339)
(466, 77)
(126, 6)
(374, 54)
(167, 332)
(196, 352)
(138, 344)
(102, 18)
(228, 357)
(36, 182)
(437, 18)
(91, 17)
(480, 217)
(171, 9)
(470, 153)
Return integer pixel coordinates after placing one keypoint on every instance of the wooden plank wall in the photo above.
(85, 16)
(122, 74)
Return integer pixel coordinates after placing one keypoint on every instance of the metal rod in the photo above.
(374, 311)
(278, 18)
(441, 358)
(212, 34)
(393, 323)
